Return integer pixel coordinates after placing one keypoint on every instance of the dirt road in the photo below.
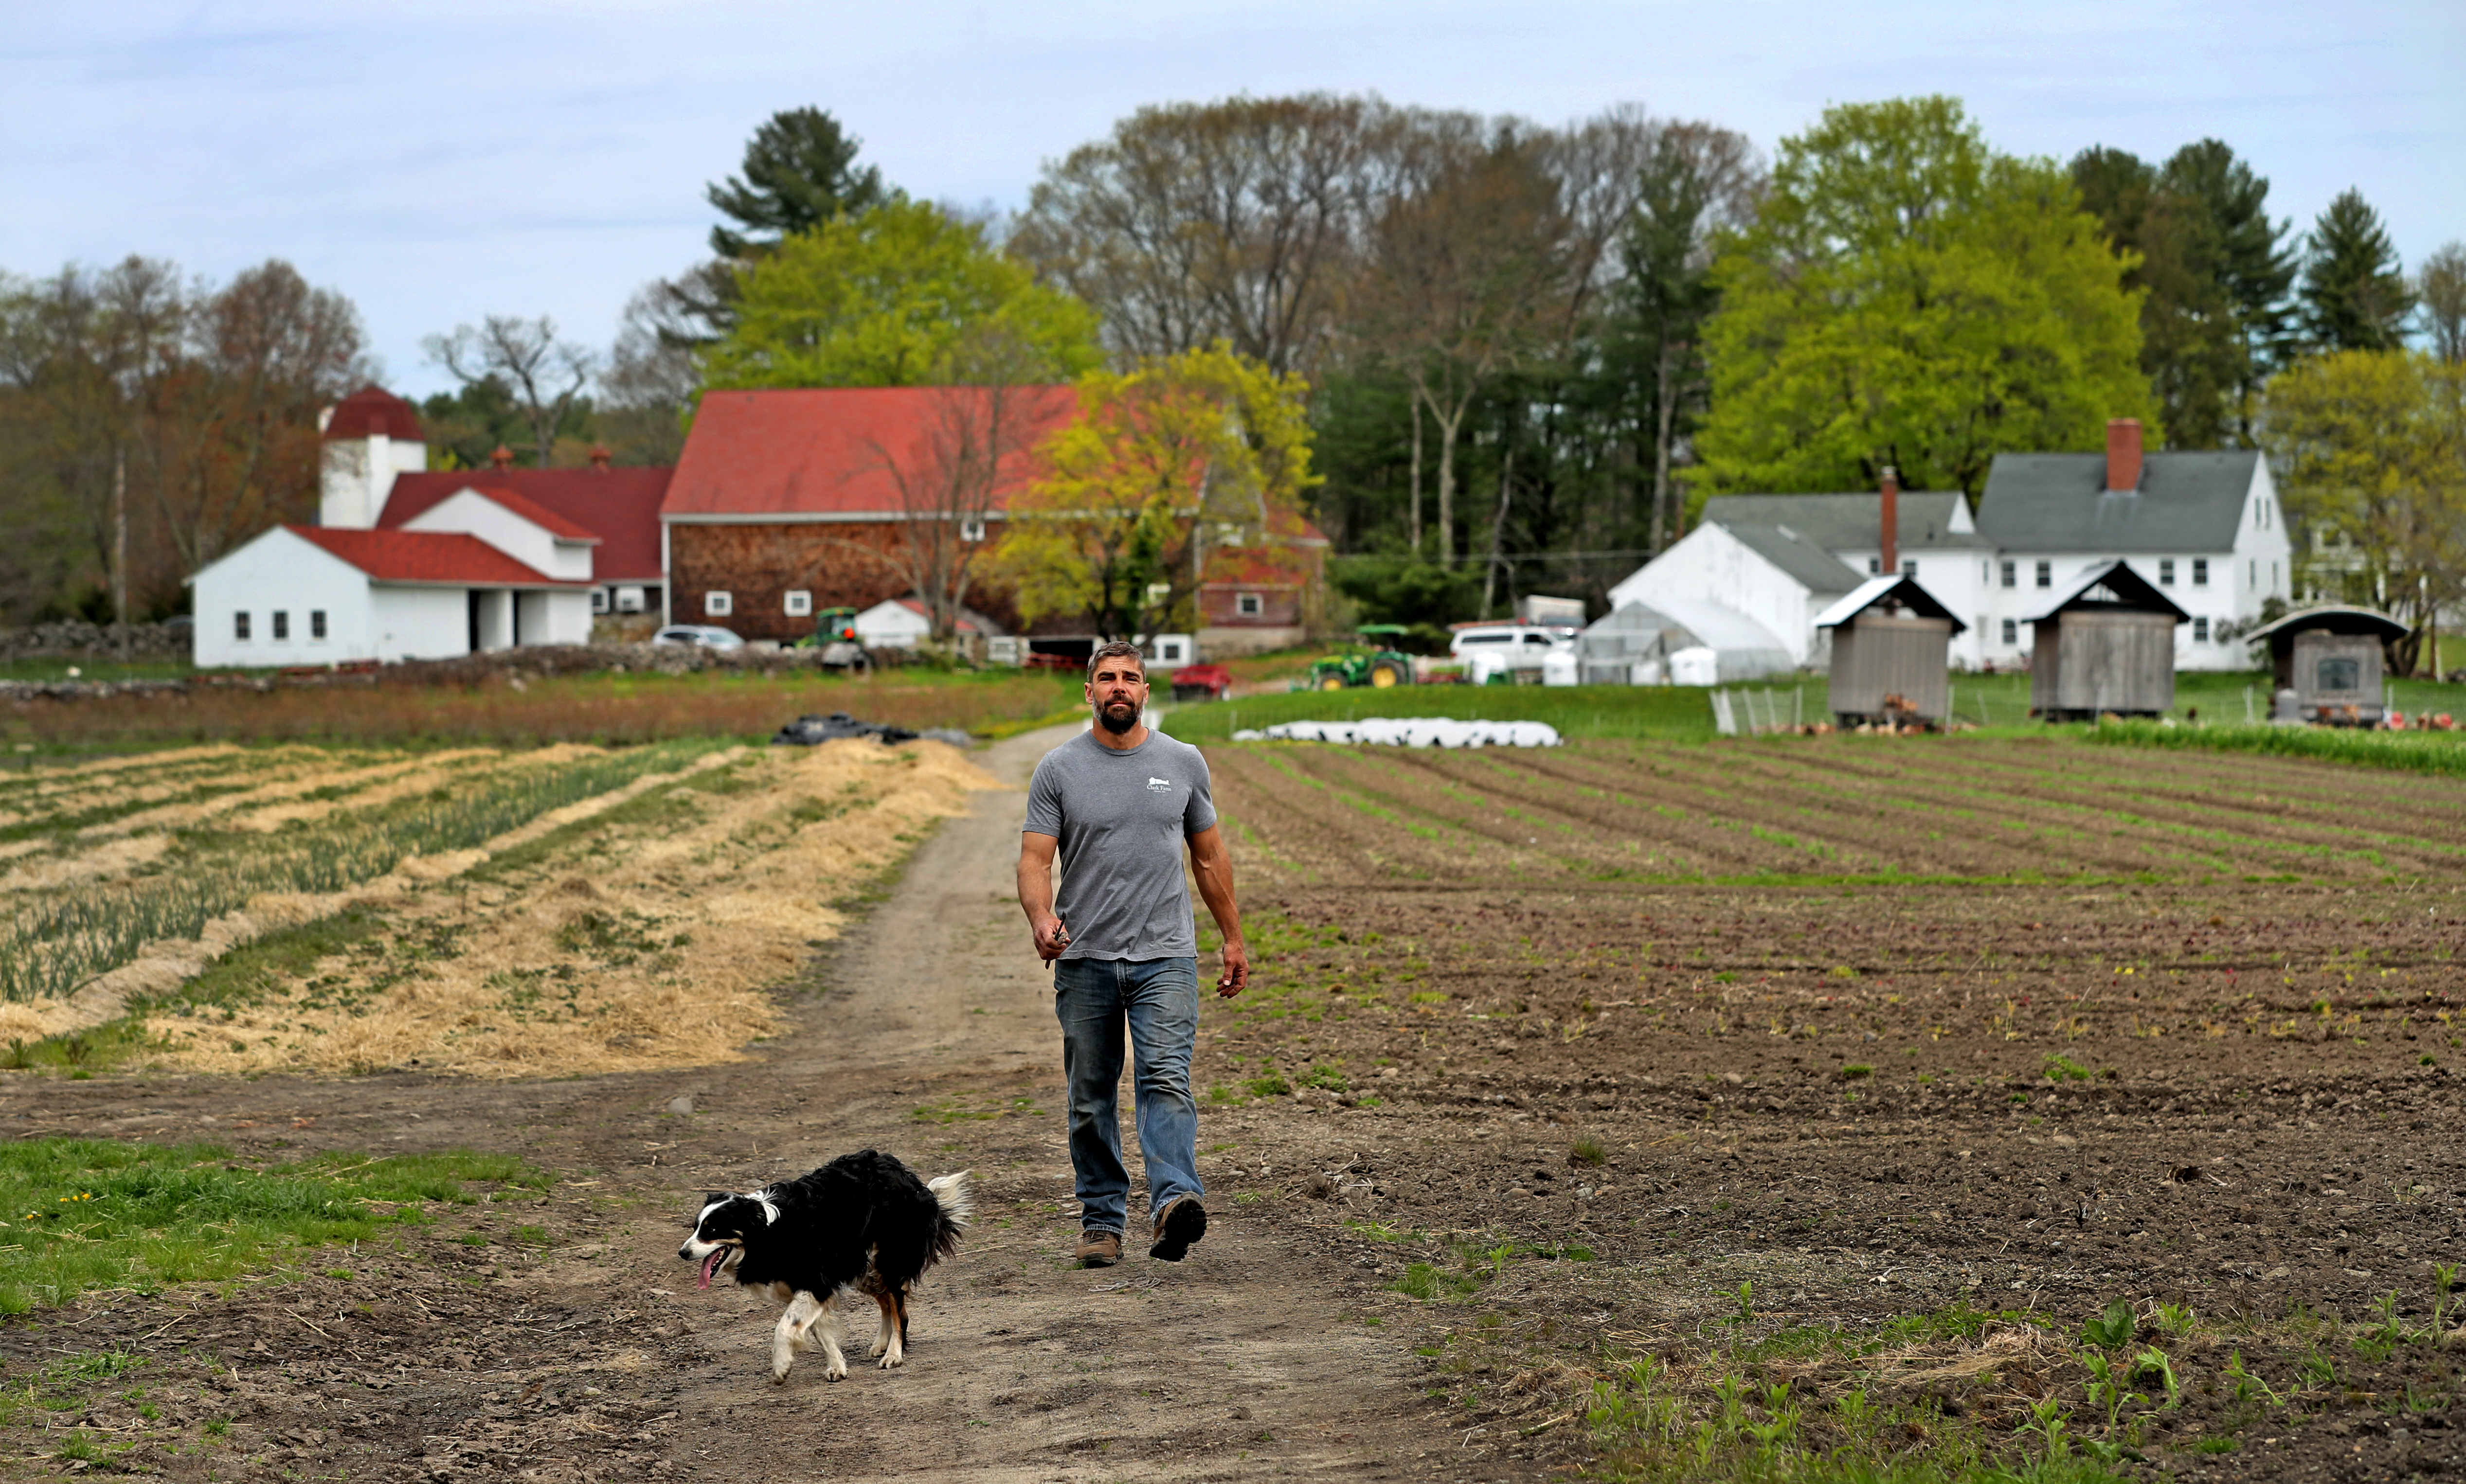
(476, 1350)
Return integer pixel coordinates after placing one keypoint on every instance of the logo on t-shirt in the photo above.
(1155, 784)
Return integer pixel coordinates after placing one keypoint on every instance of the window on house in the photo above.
(1169, 651)
(1909, 566)
(1249, 605)
(281, 623)
(2252, 575)
(800, 603)
(239, 625)
(2011, 627)
(2200, 572)
(2046, 575)
(972, 530)
(1875, 566)
(2165, 572)
(598, 599)
(2011, 574)
(2200, 631)
(718, 606)
(316, 624)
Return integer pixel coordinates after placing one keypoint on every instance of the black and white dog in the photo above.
(862, 1221)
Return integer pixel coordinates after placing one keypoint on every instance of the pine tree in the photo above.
(2255, 263)
(799, 173)
(2354, 296)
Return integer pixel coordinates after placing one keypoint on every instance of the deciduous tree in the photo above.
(2441, 283)
(1161, 462)
(545, 375)
(1469, 274)
(2372, 443)
(1238, 220)
(1908, 296)
(885, 299)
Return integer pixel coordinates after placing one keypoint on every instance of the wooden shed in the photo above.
(2330, 657)
(2106, 646)
(1891, 653)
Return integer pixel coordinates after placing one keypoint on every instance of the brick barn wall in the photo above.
(759, 565)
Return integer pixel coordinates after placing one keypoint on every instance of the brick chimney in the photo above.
(2122, 455)
(1891, 565)
(502, 459)
(600, 456)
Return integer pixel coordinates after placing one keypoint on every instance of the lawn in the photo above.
(606, 708)
(82, 1214)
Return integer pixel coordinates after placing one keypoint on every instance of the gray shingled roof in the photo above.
(1851, 522)
(2058, 503)
(1785, 548)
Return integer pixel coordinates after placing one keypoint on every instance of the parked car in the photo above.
(1518, 646)
(708, 635)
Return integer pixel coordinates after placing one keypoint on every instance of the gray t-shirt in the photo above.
(1121, 819)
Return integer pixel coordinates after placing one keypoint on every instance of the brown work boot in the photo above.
(1182, 1222)
(1099, 1249)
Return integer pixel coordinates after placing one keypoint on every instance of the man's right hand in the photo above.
(1051, 938)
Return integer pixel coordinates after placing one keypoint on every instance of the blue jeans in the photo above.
(1158, 999)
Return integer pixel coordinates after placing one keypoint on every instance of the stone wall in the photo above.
(76, 639)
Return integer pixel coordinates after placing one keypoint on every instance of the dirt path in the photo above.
(927, 1031)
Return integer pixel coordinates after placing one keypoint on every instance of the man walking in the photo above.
(1118, 804)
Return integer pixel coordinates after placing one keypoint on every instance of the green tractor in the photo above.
(1376, 663)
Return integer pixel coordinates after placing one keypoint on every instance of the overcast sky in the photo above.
(442, 161)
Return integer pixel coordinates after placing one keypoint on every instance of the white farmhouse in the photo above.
(2204, 529)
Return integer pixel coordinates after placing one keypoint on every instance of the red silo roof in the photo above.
(831, 450)
(374, 410)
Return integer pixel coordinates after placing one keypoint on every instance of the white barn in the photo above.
(1771, 576)
(308, 594)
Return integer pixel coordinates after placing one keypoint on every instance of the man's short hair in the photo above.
(1117, 649)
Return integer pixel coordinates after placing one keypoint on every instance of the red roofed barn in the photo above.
(787, 503)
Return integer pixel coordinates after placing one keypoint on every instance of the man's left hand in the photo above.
(1237, 969)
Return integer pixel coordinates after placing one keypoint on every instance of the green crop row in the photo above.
(55, 947)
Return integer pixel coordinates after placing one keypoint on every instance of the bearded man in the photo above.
(1118, 806)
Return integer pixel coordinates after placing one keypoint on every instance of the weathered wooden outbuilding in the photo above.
(1891, 653)
(2105, 646)
(2330, 657)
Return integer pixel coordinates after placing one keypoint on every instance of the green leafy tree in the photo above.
(1159, 464)
(898, 295)
(1908, 296)
(799, 173)
(2354, 296)
(2372, 444)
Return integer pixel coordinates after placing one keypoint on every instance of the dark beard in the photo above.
(1119, 728)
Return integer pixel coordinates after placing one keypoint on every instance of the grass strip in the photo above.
(2441, 754)
(80, 1214)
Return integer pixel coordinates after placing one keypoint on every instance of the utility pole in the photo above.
(120, 545)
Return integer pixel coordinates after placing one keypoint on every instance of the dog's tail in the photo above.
(959, 1206)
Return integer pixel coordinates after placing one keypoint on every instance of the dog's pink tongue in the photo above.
(710, 1266)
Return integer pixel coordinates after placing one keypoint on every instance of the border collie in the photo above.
(862, 1221)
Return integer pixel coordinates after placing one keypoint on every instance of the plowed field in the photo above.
(1887, 1031)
